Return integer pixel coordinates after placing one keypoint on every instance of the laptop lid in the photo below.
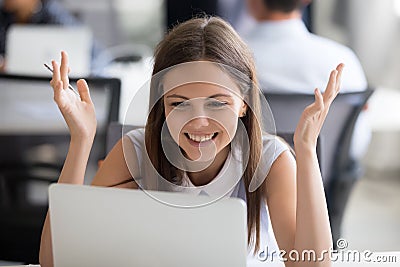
(96, 226)
(29, 46)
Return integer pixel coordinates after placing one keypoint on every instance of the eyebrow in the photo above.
(184, 97)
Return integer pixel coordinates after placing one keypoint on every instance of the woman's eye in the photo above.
(180, 104)
(217, 104)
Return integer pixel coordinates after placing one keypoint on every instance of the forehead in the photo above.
(199, 77)
(200, 90)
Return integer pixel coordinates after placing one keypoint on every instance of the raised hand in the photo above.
(314, 115)
(78, 111)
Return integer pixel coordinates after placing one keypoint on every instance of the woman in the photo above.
(203, 97)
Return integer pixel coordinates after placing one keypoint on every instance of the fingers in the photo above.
(333, 87)
(321, 108)
(319, 99)
(330, 91)
(339, 68)
(64, 69)
(318, 104)
(61, 73)
(83, 90)
(57, 88)
(56, 74)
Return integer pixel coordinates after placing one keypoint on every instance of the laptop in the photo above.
(29, 46)
(97, 226)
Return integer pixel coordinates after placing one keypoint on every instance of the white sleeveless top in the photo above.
(225, 184)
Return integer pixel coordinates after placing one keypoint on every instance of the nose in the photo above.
(199, 122)
(199, 114)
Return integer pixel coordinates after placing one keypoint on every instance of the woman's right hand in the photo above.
(78, 112)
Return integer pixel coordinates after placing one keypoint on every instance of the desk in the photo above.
(384, 117)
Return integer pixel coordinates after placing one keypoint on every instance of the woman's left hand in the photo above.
(313, 116)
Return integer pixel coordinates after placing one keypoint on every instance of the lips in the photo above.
(200, 139)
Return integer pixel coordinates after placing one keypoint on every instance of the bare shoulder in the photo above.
(281, 175)
(114, 170)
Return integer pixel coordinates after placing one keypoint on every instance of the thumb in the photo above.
(318, 104)
(83, 90)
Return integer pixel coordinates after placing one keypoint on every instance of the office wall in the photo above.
(116, 22)
(371, 28)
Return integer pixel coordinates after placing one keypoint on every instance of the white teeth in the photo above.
(200, 138)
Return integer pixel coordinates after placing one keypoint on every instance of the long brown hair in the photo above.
(211, 39)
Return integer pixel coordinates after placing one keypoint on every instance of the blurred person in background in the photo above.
(290, 59)
(38, 12)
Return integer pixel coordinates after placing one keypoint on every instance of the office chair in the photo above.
(33, 144)
(339, 171)
(115, 132)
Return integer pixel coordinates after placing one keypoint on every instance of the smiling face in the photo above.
(202, 118)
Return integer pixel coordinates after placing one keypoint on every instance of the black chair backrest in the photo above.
(337, 130)
(115, 132)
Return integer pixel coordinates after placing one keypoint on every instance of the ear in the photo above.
(243, 109)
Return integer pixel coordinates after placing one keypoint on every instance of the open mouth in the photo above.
(199, 140)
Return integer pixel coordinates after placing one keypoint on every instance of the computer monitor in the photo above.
(32, 128)
(29, 46)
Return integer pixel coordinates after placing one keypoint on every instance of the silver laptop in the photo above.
(29, 46)
(96, 226)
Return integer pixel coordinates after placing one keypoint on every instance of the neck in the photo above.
(277, 16)
(207, 175)
(24, 14)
